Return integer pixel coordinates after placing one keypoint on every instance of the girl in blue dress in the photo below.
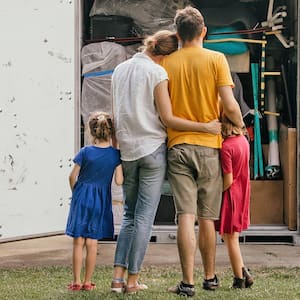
(90, 216)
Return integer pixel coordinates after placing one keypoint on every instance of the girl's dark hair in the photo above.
(189, 23)
(163, 42)
(100, 126)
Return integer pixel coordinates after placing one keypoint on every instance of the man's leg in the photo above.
(210, 186)
(207, 246)
(186, 242)
(181, 176)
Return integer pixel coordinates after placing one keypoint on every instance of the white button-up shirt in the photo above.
(139, 129)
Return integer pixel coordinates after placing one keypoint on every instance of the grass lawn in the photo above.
(51, 282)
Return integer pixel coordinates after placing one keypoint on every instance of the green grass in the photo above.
(50, 283)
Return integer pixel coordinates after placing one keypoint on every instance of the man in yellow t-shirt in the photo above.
(199, 82)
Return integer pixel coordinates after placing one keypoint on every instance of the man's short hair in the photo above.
(189, 23)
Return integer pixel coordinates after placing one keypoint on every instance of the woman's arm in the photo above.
(119, 178)
(73, 176)
(227, 181)
(163, 104)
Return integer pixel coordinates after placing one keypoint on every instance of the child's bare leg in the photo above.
(234, 252)
(78, 244)
(90, 261)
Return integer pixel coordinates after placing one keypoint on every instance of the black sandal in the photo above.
(248, 277)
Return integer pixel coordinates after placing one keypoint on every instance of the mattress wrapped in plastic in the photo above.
(98, 62)
(148, 15)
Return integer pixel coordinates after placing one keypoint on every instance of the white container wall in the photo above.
(36, 115)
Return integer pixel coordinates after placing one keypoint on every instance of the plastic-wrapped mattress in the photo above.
(98, 61)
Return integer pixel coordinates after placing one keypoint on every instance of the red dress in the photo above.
(234, 215)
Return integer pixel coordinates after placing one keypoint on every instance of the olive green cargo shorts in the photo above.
(195, 177)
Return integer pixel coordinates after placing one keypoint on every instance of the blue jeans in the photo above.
(143, 179)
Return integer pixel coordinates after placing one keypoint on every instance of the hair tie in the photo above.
(101, 118)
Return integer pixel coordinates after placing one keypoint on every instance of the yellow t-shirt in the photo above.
(194, 77)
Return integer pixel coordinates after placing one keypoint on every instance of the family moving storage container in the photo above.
(58, 55)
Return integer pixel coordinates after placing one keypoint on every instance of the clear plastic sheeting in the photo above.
(98, 62)
(148, 15)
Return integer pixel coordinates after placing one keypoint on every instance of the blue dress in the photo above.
(90, 214)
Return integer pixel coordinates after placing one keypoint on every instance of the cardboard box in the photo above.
(287, 146)
(266, 202)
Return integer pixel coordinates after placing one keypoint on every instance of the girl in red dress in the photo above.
(234, 215)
